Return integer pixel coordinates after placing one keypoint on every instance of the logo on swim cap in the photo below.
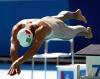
(25, 37)
(28, 39)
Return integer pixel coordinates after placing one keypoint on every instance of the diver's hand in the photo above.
(14, 69)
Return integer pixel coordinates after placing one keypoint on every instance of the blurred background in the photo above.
(12, 11)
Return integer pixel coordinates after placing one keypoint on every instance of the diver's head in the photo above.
(25, 37)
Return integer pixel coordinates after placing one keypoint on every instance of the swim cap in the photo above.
(25, 37)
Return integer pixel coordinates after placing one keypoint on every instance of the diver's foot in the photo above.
(79, 16)
(89, 34)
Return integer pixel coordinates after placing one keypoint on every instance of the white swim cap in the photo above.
(25, 37)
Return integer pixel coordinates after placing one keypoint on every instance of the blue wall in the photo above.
(13, 11)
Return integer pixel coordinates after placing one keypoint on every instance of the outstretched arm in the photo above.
(41, 32)
(14, 42)
(13, 50)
